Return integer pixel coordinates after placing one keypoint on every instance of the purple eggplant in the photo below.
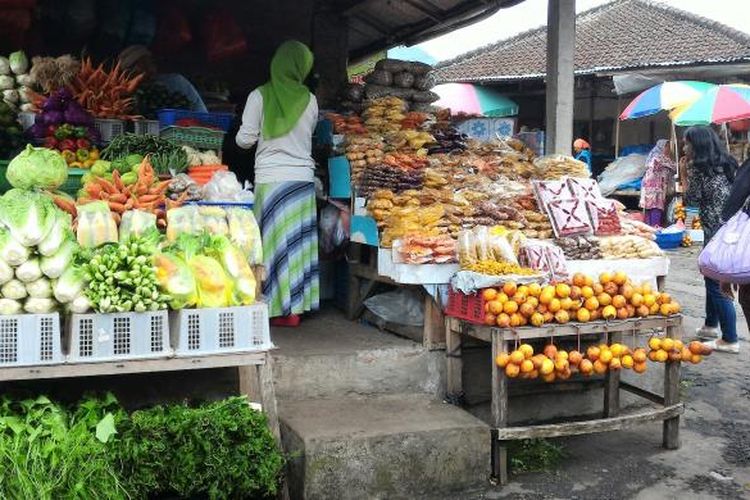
(53, 117)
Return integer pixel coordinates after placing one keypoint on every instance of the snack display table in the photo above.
(668, 407)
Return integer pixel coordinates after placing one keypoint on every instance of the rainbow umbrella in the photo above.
(474, 100)
(720, 104)
(665, 96)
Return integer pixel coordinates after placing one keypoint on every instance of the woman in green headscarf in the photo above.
(280, 116)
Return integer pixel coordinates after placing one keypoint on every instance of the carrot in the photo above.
(106, 185)
(117, 207)
(148, 198)
(118, 198)
(117, 180)
(160, 187)
(117, 217)
(66, 205)
(130, 203)
(93, 189)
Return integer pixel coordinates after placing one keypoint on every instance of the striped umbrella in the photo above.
(720, 104)
(474, 100)
(665, 96)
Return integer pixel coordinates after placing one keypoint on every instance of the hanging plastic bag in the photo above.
(96, 225)
(137, 223)
(176, 279)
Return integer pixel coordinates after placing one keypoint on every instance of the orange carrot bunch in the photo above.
(105, 94)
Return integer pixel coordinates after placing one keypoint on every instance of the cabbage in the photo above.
(12, 251)
(19, 63)
(39, 289)
(39, 306)
(25, 80)
(13, 289)
(9, 306)
(69, 286)
(6, 272)
(4, 66)
(80, 305)
(29, 271)
(7, 82)
(37, 167)
(61, 231)
(28, 215)
(54, 265)
(10, 96)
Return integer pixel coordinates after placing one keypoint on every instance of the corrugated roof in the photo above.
(621, 35)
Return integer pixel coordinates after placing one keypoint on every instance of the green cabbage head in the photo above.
(37, 167)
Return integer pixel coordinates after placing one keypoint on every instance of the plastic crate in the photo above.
(228, 329)
(107, 337)
(669, 240)
(466, 307)
(109, 129)
(170, 117)
(196, 137)
(73, 184)
(146, 127)
(30, 339)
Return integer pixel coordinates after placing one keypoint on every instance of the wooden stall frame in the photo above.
(504, 339)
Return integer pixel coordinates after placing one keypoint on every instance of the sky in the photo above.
(533, 13)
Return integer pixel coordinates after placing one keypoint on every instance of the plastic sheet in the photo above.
(402, 306)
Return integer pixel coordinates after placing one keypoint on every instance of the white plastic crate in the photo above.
(107, 337)
(30, 339)
(146, 127)
(228, 329)
(109, 129)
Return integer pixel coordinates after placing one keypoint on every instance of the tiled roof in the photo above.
(621, 35)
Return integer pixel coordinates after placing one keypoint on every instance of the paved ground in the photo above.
(714, 460)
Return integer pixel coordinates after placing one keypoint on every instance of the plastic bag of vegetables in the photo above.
(29, 216)
(236, 266)
(10, 306)
(12, 251)
(96, 225)
(245, 234)
(176, 280)
(54, 265)
(37, 168)
(137, 223)
(212, 283)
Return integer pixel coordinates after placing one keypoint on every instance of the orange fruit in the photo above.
(636, 299)
(589, 281)
(526, 309)
(550, 350)
(534, 374)
(627, 291)
(598, 288)
(652, 355)
(489, 294)
(627, 361)
(548, 366)
(685, 354)
(696, 358)
(503, 320)
(548, 317)
(665, 309)
(502, 298)
(524, 289)
(517, 357)
(566, 304)
(606, 356)
(593, 353)
(489, 319)
(667, 344)
(561, 364)
(523, 319)
(579, 279)
(562, 354)
(639, 367)
(664, 298)
(654, 309)
(620, 278)
(546, 296)
(527, 350)
(583, 315)
(537, 319)
(695, 347)
(609, 312)
(533, 301)
(639, 355)
(538, 359)
(649, 300)
(642, 311)
(619, 301)
(565, 374)
(549, 378)
(515, 318)
(502, 359)
(675, 355)
(592, 304)
(554, 306)
(662, 356)
(647, 288)
(615, 364)
(586, 367)
(509, 288)
(562, 317)
(575, 358)
(510, 307)
(605, 278)
(495, 307)
(519, 298)
(622, 313)
(611, 288)
(676, 308)
(599, 367)
(604, 299)
(617, 349)
(527, 366)
(575, 292)
(512, 370)
(562, 290)
(535, 289)
(631, 310)
(587, 292)
(654, 343)
(542, 308)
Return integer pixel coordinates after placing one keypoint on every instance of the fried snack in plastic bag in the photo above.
(136, 223)
(96, 225)
(182, 220)
(245, 234)
(176, 279)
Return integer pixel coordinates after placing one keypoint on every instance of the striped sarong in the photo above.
(286, 213)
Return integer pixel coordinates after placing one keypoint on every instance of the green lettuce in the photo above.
(37, 168)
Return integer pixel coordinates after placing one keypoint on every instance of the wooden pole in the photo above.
(617, 129)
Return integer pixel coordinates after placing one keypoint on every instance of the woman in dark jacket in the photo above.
(709, 181)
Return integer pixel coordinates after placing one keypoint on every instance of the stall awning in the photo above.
(474, 100)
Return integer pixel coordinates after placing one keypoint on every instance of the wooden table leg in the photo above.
(612, 385)
(499, 458)
(434, 324)
(454, 362)
(671, 427)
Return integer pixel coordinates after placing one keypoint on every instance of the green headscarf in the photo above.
(285, 97)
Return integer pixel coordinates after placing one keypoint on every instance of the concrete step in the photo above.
(376, 447)
(329, 356)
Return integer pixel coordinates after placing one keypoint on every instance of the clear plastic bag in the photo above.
(176, 279)
(96, 225)
(622, 170)
(137, 223)
(214, 220)
(245, 234)
(224, 186)
(182, 220)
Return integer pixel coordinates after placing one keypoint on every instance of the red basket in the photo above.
(466, 307)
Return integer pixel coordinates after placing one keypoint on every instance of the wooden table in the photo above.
(668, 410)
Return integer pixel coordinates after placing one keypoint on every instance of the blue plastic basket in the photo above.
(669, 240)
(169, 118)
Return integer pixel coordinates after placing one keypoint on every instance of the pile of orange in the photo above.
(666, 349)
(582, 299)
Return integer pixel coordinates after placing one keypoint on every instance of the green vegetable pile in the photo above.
(220, 450)
(121, 277)
(151, 97)
(11, 136)
(166, 155)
